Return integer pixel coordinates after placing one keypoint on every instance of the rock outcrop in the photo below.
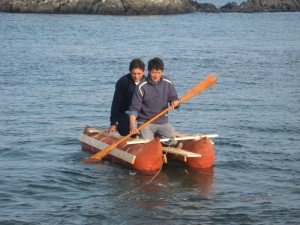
(251, 6)
(143, 7)
(110, 7)
(204, 7)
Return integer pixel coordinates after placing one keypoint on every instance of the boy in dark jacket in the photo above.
(151, 97)
(119, 121)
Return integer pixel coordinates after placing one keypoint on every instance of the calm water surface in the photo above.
(57, 74)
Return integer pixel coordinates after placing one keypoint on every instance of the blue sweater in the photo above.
(150, 99)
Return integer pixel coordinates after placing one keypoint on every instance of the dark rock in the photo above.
(270, 6)
(230, 7)
(205, 7)
(143, 7)
(149, 7)
(111, 7)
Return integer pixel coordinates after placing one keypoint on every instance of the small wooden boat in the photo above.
(194, 151)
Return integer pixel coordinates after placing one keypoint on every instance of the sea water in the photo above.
(57, 75)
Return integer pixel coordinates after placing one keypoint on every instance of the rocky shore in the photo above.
(145, 7)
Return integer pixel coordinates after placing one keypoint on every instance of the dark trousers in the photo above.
(123, 124)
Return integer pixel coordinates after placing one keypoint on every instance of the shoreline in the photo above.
(136, 7)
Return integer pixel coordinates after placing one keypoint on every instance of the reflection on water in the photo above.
(178, 191)
(199, 179)
(171, 176)
(203, 179)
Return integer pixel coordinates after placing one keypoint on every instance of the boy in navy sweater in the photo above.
(125, 86)
(151, 97)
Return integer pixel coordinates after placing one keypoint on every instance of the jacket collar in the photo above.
(152, 83)
(129, 77)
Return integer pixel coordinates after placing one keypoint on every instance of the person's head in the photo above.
(155, 69)
(137, 69)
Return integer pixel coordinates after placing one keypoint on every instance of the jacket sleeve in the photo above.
(172, 93)
(115, 106)
(136, 102)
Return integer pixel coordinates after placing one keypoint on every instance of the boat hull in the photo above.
(205, 148)
(149, 156)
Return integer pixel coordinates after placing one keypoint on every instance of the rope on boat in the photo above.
(147, 183)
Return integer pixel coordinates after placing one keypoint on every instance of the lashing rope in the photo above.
(147, 183)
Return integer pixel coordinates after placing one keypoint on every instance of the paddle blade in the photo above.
(99, 155)
(202, 86)
(90, 160)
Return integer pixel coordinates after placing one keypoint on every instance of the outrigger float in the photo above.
(195, 151)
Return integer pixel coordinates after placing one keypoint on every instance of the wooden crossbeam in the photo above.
(179, 154)
(177, 151)
(101, 145)
(195, 137)
(104, 132)
(179, 136)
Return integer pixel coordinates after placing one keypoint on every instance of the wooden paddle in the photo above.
(203, 85)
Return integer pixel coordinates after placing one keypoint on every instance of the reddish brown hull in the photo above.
(148, 155)
(203, 147)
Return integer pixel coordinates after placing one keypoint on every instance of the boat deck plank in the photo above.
(182, 152)
(101, 145)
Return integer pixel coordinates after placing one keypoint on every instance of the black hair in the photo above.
(136, 63)
(156, 63)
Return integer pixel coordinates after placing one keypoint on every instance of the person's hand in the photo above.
(112, 128)
(174, 104)
(132, 126)
(134, 130)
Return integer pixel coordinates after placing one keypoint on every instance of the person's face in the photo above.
(137, 74)
(155, 75)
